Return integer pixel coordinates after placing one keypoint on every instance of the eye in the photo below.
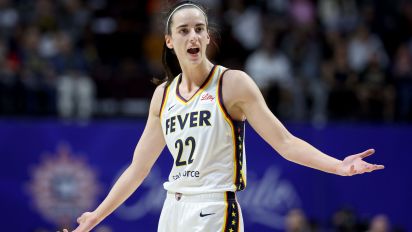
(184, 31)
(199, 29)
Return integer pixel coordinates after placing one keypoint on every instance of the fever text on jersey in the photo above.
(192, 119)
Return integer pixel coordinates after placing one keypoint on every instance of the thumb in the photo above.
(367, 153)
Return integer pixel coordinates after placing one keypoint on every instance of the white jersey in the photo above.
(206, 144)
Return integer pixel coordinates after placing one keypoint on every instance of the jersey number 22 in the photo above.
(180, 145)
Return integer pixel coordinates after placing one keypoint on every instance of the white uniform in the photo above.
(209, 160)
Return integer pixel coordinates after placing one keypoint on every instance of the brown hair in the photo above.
(169, 60)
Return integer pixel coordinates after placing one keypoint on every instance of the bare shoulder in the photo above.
(239, 91)
(159, 90)
(236, 76)
(238, 84)
(156, 101)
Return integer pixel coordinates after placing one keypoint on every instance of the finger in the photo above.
(367, 168)
(373, 167)
(378, 167)
(366, 153)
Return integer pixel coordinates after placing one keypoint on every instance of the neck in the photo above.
(194, 76)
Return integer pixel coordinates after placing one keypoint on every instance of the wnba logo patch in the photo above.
(62, 186)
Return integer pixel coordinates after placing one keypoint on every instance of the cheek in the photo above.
(178, 43)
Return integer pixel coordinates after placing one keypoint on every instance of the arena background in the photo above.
(75, 83)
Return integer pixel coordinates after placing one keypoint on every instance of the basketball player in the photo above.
(199, 113)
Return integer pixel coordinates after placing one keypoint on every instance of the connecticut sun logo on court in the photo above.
(63, 186)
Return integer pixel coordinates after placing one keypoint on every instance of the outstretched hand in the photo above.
(354, 164)
(86, 223)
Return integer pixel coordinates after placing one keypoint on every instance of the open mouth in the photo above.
(193, 50)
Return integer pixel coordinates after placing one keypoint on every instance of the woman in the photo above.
(200, 115)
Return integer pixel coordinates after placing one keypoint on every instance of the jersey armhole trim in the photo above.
(164, 99)
(220, 93)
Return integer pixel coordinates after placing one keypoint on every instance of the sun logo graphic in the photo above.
(63, 186)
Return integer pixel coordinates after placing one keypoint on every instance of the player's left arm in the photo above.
(241, 94)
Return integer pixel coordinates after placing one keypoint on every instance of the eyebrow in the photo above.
(186, 25)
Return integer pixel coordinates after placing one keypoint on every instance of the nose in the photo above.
(193, 36)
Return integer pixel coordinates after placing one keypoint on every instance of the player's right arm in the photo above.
(147, 151)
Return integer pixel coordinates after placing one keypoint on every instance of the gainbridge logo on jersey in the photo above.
(266, 200)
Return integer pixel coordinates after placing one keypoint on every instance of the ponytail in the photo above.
(170, 64)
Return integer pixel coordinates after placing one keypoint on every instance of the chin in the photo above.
(195, 61)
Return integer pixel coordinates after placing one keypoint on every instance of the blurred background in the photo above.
(76, 81)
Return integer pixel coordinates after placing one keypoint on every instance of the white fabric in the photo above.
(184, 215)
(212, 169)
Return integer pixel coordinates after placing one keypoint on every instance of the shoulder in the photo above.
(238, 88)
(237, 82)
(159, 91)
(235, 74)
(233, 78)
(157, 98)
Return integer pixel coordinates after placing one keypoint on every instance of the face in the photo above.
(189, 36)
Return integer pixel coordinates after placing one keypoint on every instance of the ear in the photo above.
(168, 40)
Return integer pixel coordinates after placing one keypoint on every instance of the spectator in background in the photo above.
(337, 15)
(296, 221)
(303, 48)
(379, 223)
(9, 18)
(277, 7)
(245, 23)
(7, 82)
(402, 74)
(94, 25)
(362, 46)
(44, 16)
(345, 220)
(75, 89)
(376, 95)
(302, 13)
(152, 47)
(74, 18)
(342, 81)
(36, 76)
(272, 72)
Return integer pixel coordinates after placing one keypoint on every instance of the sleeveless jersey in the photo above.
(206, 144)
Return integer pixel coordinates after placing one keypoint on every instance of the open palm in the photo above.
(354, 164)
